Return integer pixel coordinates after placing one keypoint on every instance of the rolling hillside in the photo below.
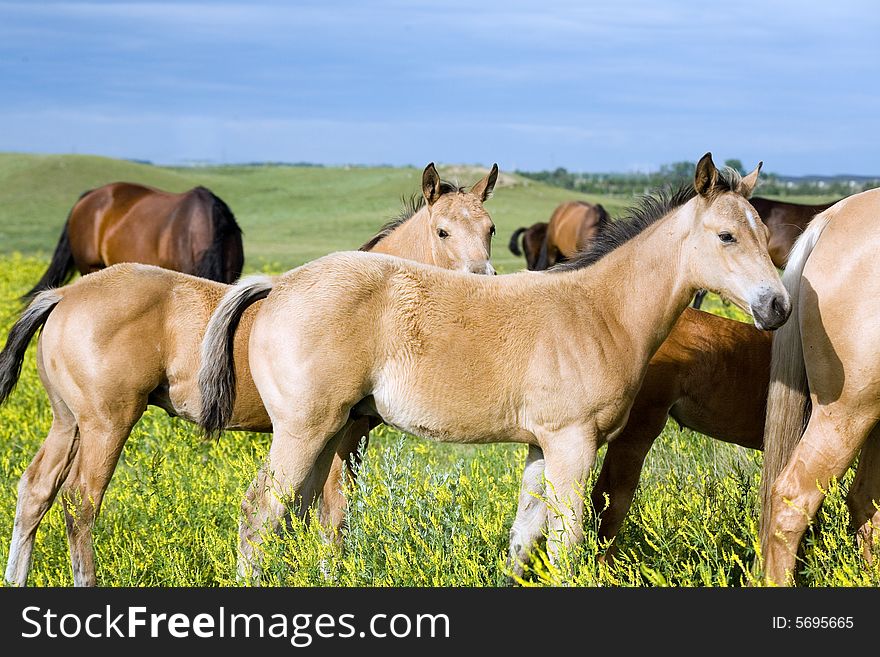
(289, 214)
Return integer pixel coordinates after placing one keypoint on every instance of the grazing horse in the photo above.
(824, 398)
(572, 227)
(468, 359)
(128, 336)
(532, 239)
(785, 221)
(193, 232)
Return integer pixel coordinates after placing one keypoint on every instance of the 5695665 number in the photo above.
(823, 622)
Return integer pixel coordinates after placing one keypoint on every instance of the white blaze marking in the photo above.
(751, 217)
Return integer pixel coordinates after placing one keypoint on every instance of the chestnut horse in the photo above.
(532, 239)
(710, 375)
(785, 221)
(128, 336)
(468, 359)
(824, 398)
(573, 225)
(193, 232)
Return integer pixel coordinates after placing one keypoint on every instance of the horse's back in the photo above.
(129, 222)
(119, 329)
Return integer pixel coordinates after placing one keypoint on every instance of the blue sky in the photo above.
(592, 86)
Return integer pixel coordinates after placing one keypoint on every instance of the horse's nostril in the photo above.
(777, 306)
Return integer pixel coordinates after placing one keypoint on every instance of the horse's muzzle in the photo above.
(771, 311)
(483, 268)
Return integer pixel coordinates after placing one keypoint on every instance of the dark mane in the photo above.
(648, 210)
(411, 206)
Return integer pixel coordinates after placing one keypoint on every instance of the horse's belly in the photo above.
(429, 415)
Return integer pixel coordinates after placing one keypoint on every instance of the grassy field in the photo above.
(421, 513)
(289, 215)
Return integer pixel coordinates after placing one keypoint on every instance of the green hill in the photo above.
(289, 214)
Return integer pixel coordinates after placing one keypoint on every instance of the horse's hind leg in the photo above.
(293, 472)
(102, 440)
(827, 448)
(345, 462)
(620, 474)
(531, 514)
(37, 489)
(863, 498)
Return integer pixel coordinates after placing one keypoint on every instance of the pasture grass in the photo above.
(289, 214)
(422, 514)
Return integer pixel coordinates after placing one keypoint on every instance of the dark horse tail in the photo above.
(217, 371)
(514, 241)
(224, 259)
(543, 257)
(23, 331)
(61, 269)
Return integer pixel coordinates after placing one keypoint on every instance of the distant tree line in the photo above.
(627, 184)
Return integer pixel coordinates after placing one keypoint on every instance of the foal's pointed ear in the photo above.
(747, 186)
(484, 187)
(431, 184)
(706, 175)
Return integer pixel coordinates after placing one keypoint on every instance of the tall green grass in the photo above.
(422, 514)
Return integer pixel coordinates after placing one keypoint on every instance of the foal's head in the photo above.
(729, 241)
(459, 228)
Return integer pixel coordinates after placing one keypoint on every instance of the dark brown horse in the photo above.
(785, 221)
(532, 239)
(194, 232)
(572, 227)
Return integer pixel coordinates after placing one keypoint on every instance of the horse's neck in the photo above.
(640, 288)
(409, 240)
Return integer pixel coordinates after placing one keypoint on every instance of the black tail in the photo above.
(543, 259)
(224, 259)
(23, 331)
(61, 269)
(514, 241)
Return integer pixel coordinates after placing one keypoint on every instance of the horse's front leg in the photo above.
(531, 514)
(568, 454)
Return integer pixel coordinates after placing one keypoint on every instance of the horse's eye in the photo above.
(442, 234)
(492, 231)
(727, 238)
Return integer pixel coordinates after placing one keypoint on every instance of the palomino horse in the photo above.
(825, 369)
(785, 221)
(104, 356)
(573, 225)
(532, 239)
(468, 359)
(193, 232)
